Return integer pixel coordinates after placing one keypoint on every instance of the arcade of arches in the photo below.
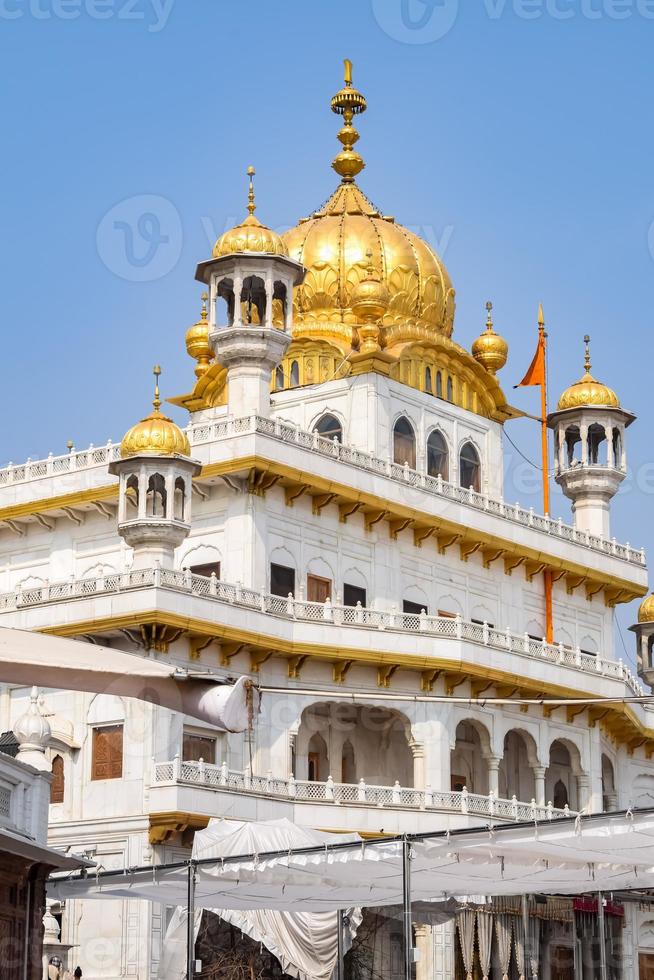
(353, 742)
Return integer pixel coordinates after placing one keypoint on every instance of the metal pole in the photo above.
(406, 899)
(190, 923)
(340, 963)
(604, 972)
(525, 929)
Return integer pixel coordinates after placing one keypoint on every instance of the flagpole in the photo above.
(547, 574)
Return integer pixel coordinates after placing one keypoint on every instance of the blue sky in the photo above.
(515, 135)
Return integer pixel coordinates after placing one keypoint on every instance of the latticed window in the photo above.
(57, 785)
(107, 752)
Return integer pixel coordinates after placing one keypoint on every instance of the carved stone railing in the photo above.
(326, 613)
(221, 778)
(207, 432)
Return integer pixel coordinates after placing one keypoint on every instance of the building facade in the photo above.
(332, 521)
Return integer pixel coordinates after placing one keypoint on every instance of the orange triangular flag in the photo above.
(536, 372)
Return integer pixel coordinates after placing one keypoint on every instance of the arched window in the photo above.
(156, 496)
(295, 374)
(279, 378)
(57, 785)
(560, 795)
(180, 499)
(253, 300)
(428, 387)
(450, 390)
(329, 428)
(469, 467)
(439, 384)
(438, 458)
(224, 311)
(404, 443)
(596, 437)
(132, 491)
(348, 764)
(279, 304)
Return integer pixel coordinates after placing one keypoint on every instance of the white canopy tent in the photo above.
(598, 853)
(73, 665)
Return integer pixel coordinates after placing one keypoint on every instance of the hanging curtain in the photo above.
(466, 929)
(484, 940)
(534, 946)
(519, 947)
(503, 935)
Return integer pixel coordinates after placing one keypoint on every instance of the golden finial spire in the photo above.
(204, 298)
(348, 102)
(156, 401)
(587, 364)
(251, 205)
(489, 316)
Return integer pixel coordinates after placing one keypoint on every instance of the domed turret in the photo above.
(590, 460)
(32, 732)
(490, 349)
(644, 630)
(250, 236)
(154, 499)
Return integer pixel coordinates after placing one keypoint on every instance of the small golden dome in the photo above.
(490, 349)
(250, 235)
(646, 611)
(588, 391)
(197, 341)
(155, 435)
(370, 297)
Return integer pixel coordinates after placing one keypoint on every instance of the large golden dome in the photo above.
(156, 434)
(332, 244)
(588, 391)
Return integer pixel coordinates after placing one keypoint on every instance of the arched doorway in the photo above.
(468, 765)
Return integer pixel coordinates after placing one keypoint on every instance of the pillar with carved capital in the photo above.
(539, 784)
(418, 753)
(493, 762)
(583, 790)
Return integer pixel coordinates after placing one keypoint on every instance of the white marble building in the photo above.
(331, 520)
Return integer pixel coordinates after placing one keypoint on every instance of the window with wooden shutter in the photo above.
(196, 747)
(318, 589)
(57, 784)
(107, 753)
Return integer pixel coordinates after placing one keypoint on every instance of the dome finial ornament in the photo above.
(587, 364)
(156, 401)
(348, 102)
(541, 317)
(251, 205)
(490, 349)
(588, 391)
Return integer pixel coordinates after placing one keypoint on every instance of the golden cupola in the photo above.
(197, 341)
(250, 235)
(490, 349)
(333, 244)
(588, 391)
(646, 611)
(156, 434)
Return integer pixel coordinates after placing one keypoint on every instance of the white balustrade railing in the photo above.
(327, 613)
(221, 778)
(207, 432)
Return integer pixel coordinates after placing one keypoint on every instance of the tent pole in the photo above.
(406, 897)
(190, 923)
(604, 973)
(340, 963)
(525, 929)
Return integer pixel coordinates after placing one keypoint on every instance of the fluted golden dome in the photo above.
(156, 434)
(197, 341)
(250, 235)
(489, 348)
(646, 611)
(333, 243)
(588, 391)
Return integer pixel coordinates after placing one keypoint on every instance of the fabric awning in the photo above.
(74, 665)
(604, 852)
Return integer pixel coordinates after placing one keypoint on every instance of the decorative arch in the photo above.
(470, 466)
(329, 426)
(354, 576)
(404, 442)
(519, 758)
(468, 756)
(282, 556)
(106, 709)
(449, 605)
(318, 566)
(99, 570)
(438, 454)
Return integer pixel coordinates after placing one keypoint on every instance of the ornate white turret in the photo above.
(590, 461)
(156, 470)
(33, 734)
(644, 630)
(251, 280)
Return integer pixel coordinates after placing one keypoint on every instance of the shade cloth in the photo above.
(74, 665)
(305, 943)
(605, 852)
